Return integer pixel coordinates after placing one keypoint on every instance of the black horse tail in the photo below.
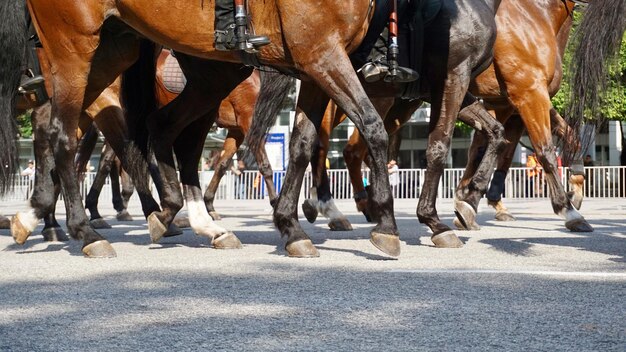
(275, 88)
(598, 40)
(85, 147)
(139, 100)
(13, 33)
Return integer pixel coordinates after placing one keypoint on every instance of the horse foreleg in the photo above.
(127, 190)
(471, 189)
(265, 168)
(309, 112)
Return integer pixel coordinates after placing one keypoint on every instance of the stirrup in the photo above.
(375, 71)
(252, 43)
(30, 84)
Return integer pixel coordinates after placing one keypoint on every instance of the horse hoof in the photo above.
(446, 239)
(576, 199)
(99, 249)
(459, 226)
(123, 216)
(182, 222)
(5, 223)
(215, 216)
(302, 249)
(18, 231)
(99, 224)
(156, 228)
(505, 216)
(54, 234)
(388, 244)
(340, 225)
(227, 240)
(309, 208)
(466, 215)
(578, 225)
(172, 231)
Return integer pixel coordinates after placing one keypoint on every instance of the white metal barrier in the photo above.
(600, 182)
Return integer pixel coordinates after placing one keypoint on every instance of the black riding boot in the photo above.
(231, 29)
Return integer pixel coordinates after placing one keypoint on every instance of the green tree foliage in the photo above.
(24, 125)
(614, 101)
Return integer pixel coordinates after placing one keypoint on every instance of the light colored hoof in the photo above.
(18, 231)
(99, 224)
(459, 226)
(99, 249)
(340, 225)
(156, 228)
(182, 222)
(388, 244)
(172, 231)
(124, 216)
(578, 225)
(227, 240)
(504, 215)
(302, 249)
(5, 223)
(309, 208)
(466, 215)
(446, 239)
(54, 234)
(215, 216)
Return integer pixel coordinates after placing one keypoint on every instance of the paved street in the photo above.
(528, 285)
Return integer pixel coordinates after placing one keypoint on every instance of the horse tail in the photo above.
(139, 100)
(13, 33)
(85, 147)
(275, 87)
(598, 40)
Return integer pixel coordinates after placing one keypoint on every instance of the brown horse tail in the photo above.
(85, 147)
(139, 100)
(598, 40)
(275, 87)
(13, 33)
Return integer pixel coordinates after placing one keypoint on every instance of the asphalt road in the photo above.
(528, 285)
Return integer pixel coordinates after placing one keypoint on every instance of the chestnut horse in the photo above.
(90, 43)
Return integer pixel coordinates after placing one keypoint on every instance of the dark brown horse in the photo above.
(89, 44)
(235, 114)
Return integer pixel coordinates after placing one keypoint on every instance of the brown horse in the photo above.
(506, 87)
(91, 43)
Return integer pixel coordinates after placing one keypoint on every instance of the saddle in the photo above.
(174, 79)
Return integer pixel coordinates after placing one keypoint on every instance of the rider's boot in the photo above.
(231, 28)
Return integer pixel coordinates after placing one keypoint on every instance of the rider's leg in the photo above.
(231, 27)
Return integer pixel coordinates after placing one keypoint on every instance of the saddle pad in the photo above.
(173, 78)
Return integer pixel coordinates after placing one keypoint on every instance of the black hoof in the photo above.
(54, 234)
(309, 208)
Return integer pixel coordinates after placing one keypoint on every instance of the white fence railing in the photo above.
(601, 182)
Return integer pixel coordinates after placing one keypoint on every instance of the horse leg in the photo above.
(322, 199)
(188, 149)
(233, 140)
(91, 201)
(309, 111)
(471, 189)
(536, 116)
(127, 189)
(513, 130)
(571, 143)
(42, 203)
(265, 168)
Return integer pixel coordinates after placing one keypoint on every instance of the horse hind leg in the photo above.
(571, 146)
(91, 201)
(233, 140)
(127, 189)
